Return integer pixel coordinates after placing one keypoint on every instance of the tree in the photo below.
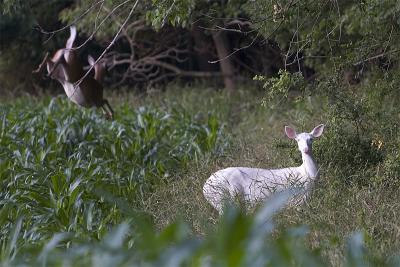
(156, 38)
(165, 39)
(331, 35)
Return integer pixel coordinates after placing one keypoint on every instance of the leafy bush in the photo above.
(278, 88)
(361, 132)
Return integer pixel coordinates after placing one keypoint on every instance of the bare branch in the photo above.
(180, 72)
(235, 50)
(108, 47)
(39, 69)
(376, 56)
(101, 23)
(51, 33)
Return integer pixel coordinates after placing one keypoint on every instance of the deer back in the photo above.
(65, 65)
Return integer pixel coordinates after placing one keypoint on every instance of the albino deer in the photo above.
(254, 184)
(66, 68)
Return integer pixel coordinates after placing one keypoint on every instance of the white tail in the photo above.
(65, 67)
(254, 184)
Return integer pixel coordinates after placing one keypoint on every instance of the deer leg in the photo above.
(111, 111)
(106, 113)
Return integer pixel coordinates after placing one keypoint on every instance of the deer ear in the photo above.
(317, 131)
(290, 132)
(90, 60)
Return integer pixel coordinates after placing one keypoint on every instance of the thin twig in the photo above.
(235, 51)
(51, 33)
(107, 48)
(100, 24)
(376, 56)
(98, 15)
(39, 69)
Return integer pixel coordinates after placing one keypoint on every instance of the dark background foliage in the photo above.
(166, 40)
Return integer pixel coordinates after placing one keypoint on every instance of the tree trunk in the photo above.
(225, 61)
(202, 49)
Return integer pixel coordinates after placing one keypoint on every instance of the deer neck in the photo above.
(309, 168)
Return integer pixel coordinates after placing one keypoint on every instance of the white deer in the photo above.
(254, 184)
(65, 67)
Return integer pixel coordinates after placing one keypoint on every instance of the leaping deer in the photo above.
(65, 67)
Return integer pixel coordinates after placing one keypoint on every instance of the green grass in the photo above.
(80, 190)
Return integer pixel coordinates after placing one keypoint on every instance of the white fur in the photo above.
(254, 184)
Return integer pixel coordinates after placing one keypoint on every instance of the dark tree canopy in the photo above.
(229, 41)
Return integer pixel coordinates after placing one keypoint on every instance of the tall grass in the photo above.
(78, 190)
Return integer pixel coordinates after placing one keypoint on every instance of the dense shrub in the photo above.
(360, 143)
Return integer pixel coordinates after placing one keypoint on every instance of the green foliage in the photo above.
(82, 191)
(12, 6)
(361, 139)
(239, 240)
(358, 157)
(103, 19)
(170, 11)
(328, 35)
(278, 88)
(58, 164)
(180, 13)
(157, 13)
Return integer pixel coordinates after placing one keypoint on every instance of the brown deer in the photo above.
(66, 68)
